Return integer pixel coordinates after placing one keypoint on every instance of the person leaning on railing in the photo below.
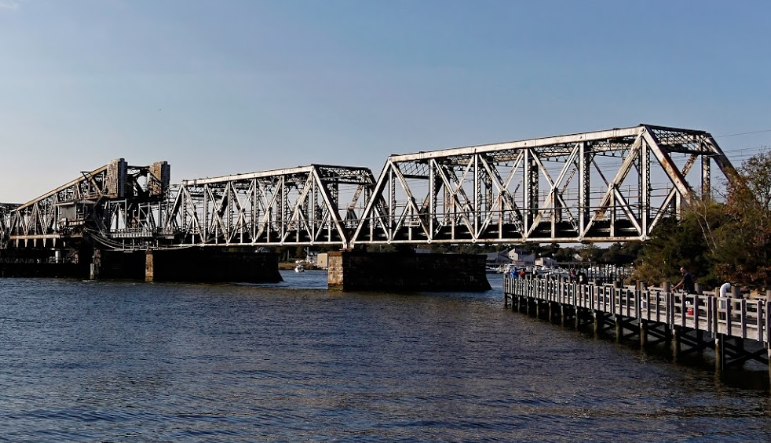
(686, 283)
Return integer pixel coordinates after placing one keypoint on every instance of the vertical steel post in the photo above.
(706, 179)
(645, 186)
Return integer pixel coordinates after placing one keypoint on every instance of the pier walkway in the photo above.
(737, 329)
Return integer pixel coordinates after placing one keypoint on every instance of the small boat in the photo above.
(299, 268)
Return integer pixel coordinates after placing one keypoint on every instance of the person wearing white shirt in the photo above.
(724, 288)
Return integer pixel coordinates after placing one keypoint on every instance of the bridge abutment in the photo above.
(354, 270)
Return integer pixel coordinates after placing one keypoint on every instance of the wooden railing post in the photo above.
(767, 321)
(668, 314)
(677, 312)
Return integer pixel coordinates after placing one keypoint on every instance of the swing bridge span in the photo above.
(614, 185)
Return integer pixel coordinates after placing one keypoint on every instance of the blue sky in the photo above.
(228, 86)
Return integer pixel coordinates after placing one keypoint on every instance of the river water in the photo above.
(125, 361)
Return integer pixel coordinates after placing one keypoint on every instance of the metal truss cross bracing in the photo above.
(316, 204)
(605, 186)
(85, 205)
(6, 210)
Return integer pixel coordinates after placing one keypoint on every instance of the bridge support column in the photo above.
(676, 344)
(720, 352)
(768, 355)
(739, 343)
(643, 333)
(599, 319)
(149, 267)
(577, 317)
(96, 264)
(354, 270)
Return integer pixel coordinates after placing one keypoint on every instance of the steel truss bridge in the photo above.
(604, 186)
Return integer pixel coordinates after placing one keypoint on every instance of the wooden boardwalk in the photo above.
(737, 329)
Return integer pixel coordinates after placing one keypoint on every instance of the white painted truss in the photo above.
(6, 210)
(604, 186)
(297, 206)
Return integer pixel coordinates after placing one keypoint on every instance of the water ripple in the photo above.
(114, 361)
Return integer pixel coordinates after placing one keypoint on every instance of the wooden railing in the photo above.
(734, 317)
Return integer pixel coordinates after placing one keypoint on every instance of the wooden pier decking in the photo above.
(737, 329)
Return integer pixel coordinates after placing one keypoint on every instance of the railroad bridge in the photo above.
(604, 186)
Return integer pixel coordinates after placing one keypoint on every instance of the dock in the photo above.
(738, 330)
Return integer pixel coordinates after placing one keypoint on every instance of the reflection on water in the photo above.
(118, 361)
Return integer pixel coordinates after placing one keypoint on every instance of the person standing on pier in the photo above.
(725, 289)
(686, 283)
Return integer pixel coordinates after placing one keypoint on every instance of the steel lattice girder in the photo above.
(574, 188)
(81, 204)
(296, 206)
(5, 222)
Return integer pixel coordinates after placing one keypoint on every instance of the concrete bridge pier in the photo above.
(189, 265)
(362, 271)
(237, 264)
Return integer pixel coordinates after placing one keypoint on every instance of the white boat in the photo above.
(299, 268)
(505, 268)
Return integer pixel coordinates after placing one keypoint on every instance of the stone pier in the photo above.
(211, 265)
(354, 270)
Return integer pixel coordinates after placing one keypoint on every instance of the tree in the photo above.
(620, 253)
(743, 249)
(718, 242)
(674, 244)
